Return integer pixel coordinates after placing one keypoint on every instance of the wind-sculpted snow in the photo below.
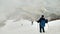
(29, 9)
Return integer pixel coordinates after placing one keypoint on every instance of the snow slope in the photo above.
(25, 27)
(32, 9)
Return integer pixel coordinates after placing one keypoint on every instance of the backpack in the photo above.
(46, 20)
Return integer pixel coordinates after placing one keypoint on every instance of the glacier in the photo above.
(32, 9)
(25, 27)
(16, 16)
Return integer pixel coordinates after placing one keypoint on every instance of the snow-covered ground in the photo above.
(11, 11)
(25, 27)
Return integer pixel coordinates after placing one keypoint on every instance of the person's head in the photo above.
(42, 16)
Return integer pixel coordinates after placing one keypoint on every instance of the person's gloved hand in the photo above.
(37, 21)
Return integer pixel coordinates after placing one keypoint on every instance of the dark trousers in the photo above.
(42, 29)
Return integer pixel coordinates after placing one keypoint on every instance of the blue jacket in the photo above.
(42, 22)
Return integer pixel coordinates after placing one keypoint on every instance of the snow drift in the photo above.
(25, 27)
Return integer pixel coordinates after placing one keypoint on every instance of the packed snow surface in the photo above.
(25, 27)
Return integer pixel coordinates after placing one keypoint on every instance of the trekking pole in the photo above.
(47, 24)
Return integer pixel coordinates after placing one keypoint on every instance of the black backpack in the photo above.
(46, 20)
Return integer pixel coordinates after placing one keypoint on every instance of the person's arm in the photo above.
(39, 20)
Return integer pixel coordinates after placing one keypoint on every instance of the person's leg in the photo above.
(43, 29)
(40, 29)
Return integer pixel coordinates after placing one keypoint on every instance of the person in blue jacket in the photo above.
(42, 22)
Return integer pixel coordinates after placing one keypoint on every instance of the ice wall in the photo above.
(28, 9)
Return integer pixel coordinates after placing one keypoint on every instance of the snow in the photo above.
(32, 9)
(13, 13)
(25, 27)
